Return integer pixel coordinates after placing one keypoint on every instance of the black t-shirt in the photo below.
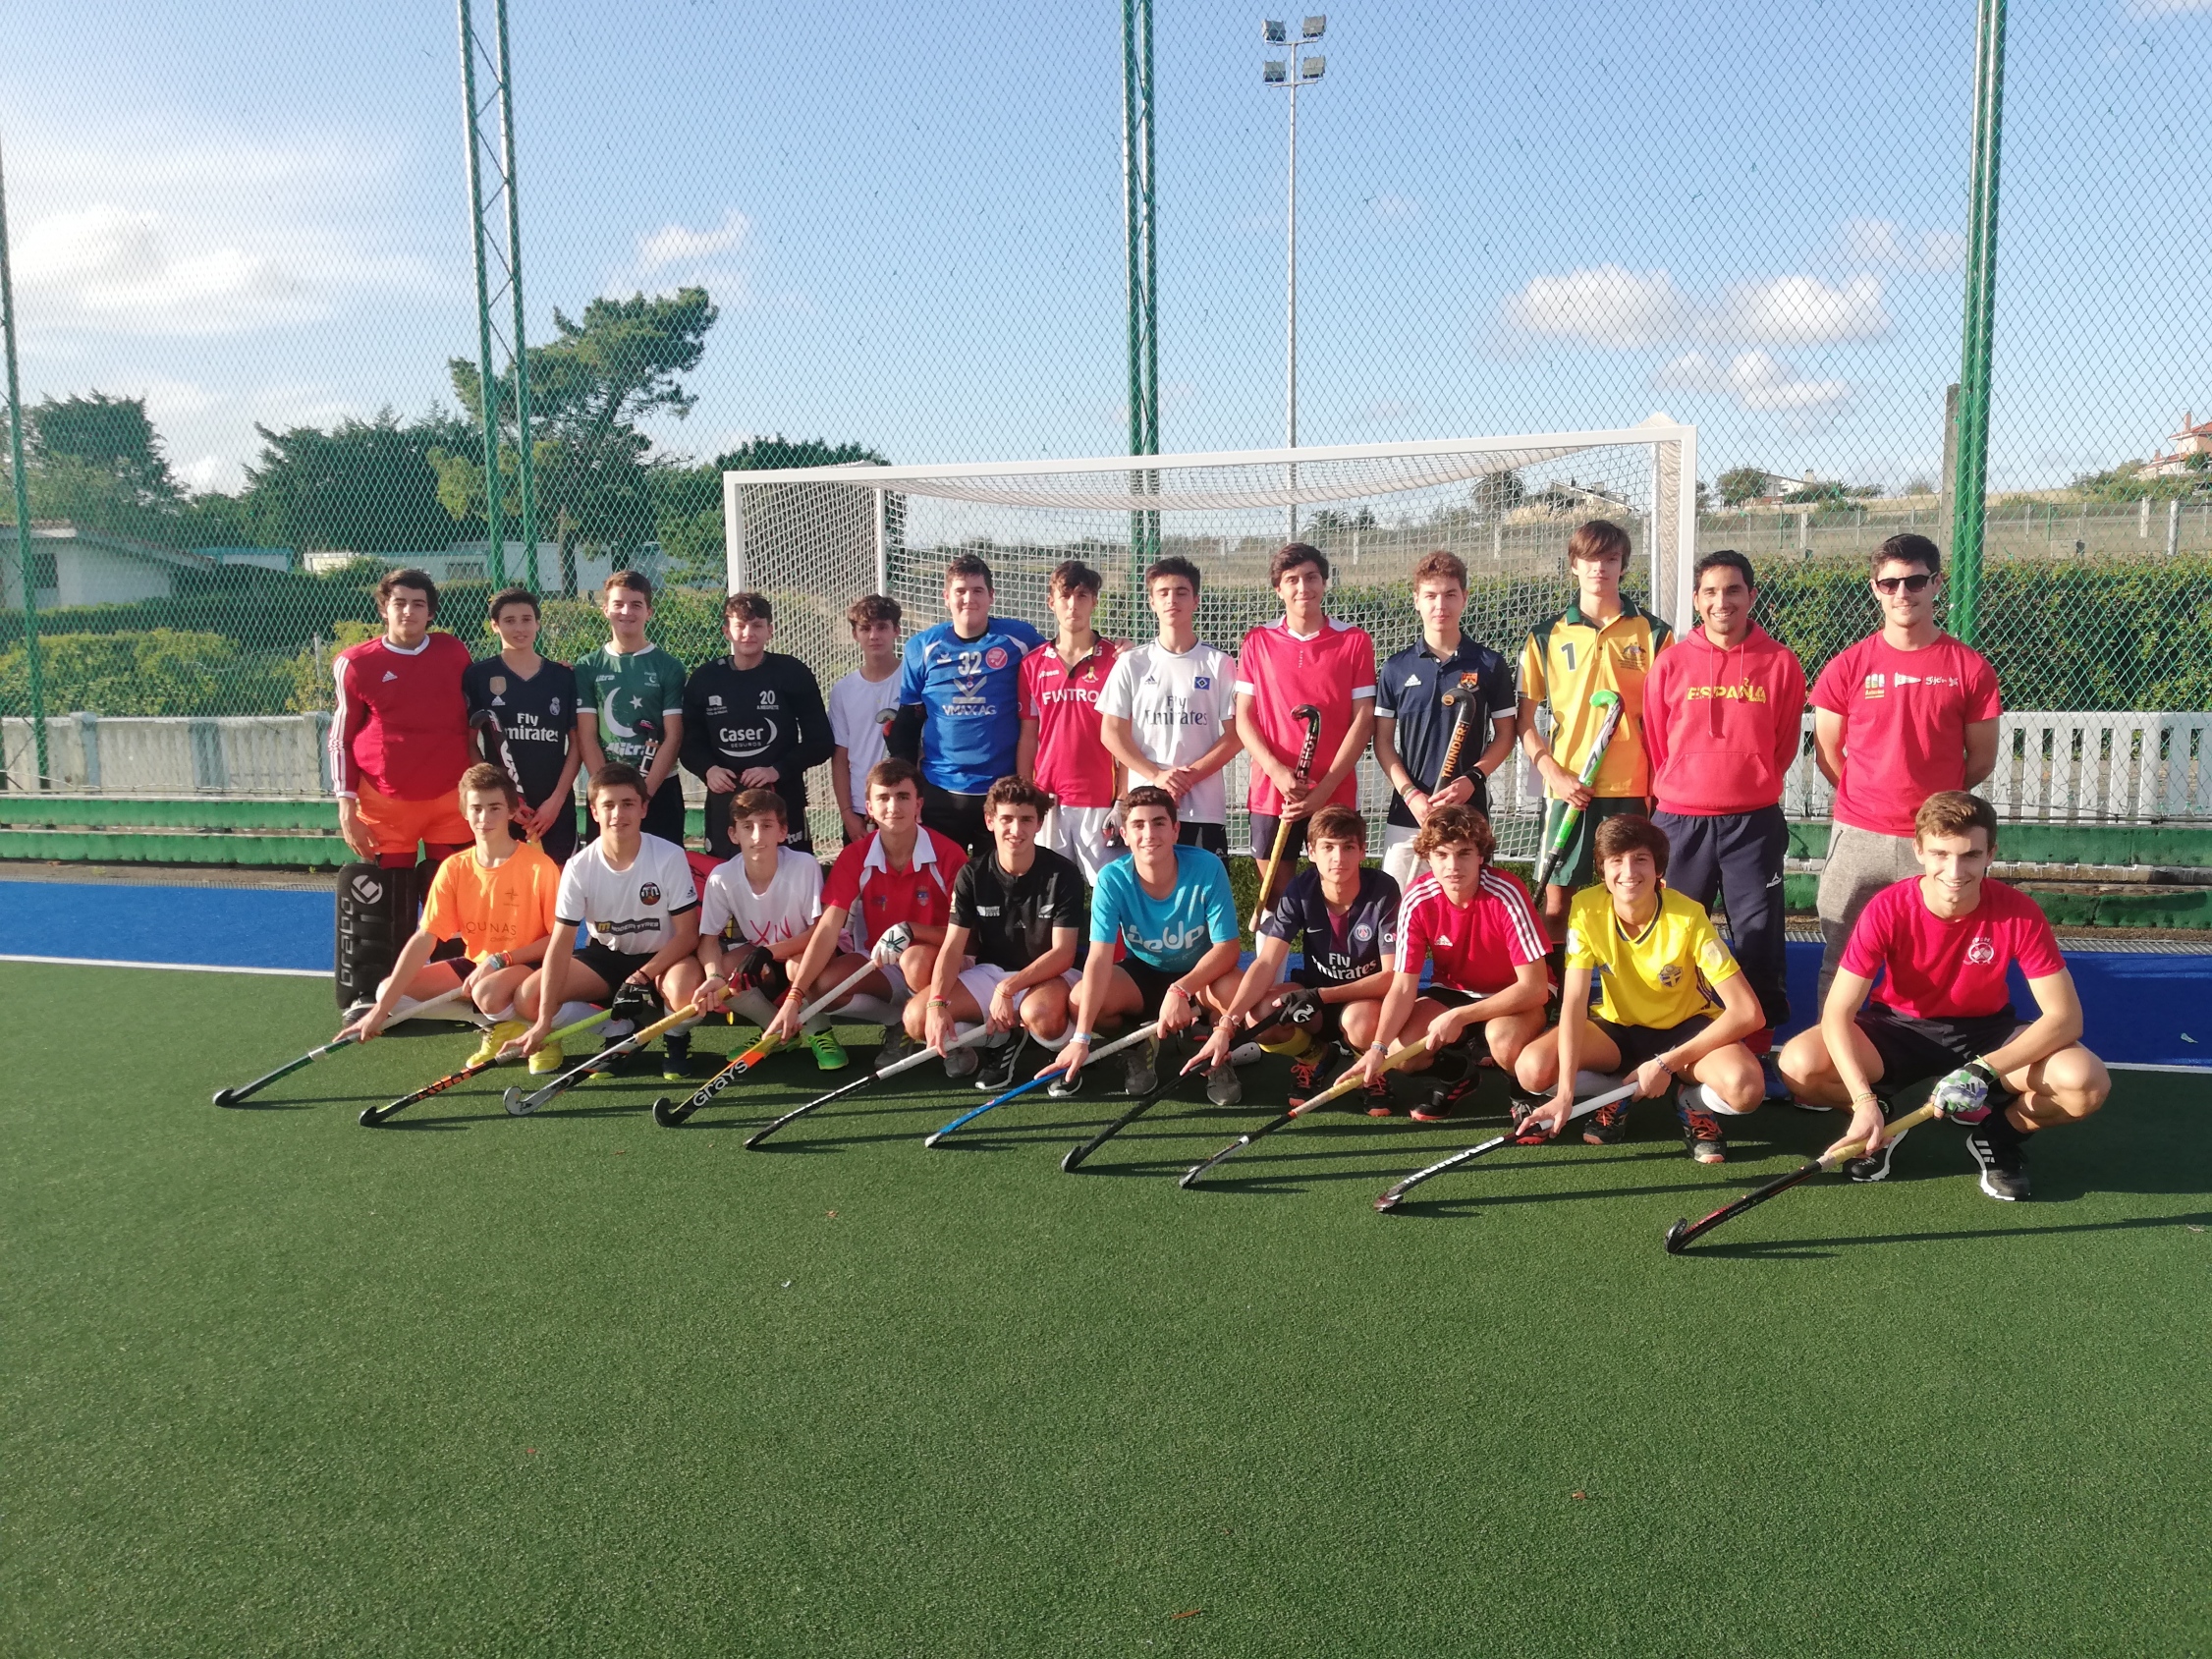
(1011, 918)
(1338, 950)
(531, 719)
(766, 716)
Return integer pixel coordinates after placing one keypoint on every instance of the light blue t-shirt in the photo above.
(969, 693)
(1170, 934)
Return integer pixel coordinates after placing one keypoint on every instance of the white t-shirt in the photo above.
(627, 910)
(1178, 707)
(855, 707)
(786, 910)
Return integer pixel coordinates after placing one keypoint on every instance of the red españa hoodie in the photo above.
(1722, 727)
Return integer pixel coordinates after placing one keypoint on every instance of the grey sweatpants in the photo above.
(1861, 863)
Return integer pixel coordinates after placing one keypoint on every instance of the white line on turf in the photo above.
(170, 966)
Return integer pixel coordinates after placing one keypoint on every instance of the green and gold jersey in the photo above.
(1568, 658)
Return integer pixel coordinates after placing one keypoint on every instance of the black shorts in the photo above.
(961, 816)
(1263, 839)
(1210, 838)
(559, 842)
(1152, 985)
(611, 964)
(1914, 1050)
(1639, 1043)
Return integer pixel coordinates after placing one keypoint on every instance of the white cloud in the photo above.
(678, 244)
(1394, 207)
(1756, 380)
(675, 256)
(1884, 242)
(212, 472)
(1614, 306)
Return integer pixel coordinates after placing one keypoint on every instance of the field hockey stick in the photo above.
(374, 1116)
(973, 1036)
(1302, 772)
(1572, 818)
(521, 1105)
(1115, 1047)
(232, 1096)
(1685, 1231)
(669, 1115)
(1512, 1137)
(1462, 722)
(1243, 1054)
(1396, 1058)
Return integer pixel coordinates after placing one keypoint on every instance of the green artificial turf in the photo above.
(275, 1384)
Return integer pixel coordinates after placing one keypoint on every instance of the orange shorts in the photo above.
(397, 825)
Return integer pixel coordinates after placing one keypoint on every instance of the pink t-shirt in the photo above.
(1334, 671)
(1936, 970)
(1073, 760)
(1906, 715)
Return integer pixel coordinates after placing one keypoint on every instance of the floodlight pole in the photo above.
(1290, 72)
(1970, 483)
(1142, 278)
(23, 505)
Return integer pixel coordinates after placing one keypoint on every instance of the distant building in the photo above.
(471, 560)
(73, 566)
(2191, 439)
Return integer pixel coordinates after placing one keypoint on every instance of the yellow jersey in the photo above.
(1657, 977)
(501, 908)
(1569, 657)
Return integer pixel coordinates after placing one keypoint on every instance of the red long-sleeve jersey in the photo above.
(401, 722)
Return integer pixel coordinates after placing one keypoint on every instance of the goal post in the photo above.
(814, 538)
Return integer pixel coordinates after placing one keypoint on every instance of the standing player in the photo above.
(860, 705)
(903, 872)
(1905, 713)
(497, 899)
(1344, 919)
(1301, 658)
(1723, 711)
(1171, 906)
(632, 697)
(1168, 712)
(1671, 1005)
(1604, 641)
(959, 694)
(1473, 923)
(521, 707)
(398, 736)
(1413, 726)
(757, 913)
(632, 894)
(1060, 749)
(753, 720)
(1940, 947)
(1018, 910)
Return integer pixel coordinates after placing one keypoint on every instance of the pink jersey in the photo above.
(1476, 947)
(401, 721)
(1936, 970)
(1906, 715)
(1333, 671)
(1071, 762)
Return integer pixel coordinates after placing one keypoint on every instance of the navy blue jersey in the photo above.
(1338, 949)
(969, 693)
(532, 718)
(1408, 691)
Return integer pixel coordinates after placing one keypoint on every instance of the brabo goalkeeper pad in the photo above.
(376, 912)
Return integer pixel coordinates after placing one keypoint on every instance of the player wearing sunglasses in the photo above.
(1905, 713)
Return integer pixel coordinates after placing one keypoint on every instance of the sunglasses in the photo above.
(1909, 584)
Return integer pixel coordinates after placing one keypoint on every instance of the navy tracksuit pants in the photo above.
(1738, 856)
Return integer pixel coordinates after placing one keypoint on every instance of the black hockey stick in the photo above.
(1685, 1232)
(232, 1096)
(753, 1142)
(1038, 1082)
(1512, 1137)
(374, 1116)
(1342, 1087)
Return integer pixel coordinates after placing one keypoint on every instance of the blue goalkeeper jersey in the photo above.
(970, 694)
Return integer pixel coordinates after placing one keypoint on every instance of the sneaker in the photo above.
(1140, 1075)
(961, 1063)
(676, 1059)
(498, 1036)
(1608, 1126)
(1060, 1088)
(546, 1061)
(999, 1069)
(1702, 1130)
(1874, 1166)
(1222, 1086)
(1308, 1068)
(1998, 1147)
(355, 1010)
(1520, 1106)
(829, 1053)
(1377, 1092)
(1442, 1101)
(896, 1046)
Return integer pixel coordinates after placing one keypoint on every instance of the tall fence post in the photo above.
(1971, 482)
(23, 506)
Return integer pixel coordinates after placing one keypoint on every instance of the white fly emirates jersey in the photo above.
(1177, 705)
(627, 910)
(734, 911)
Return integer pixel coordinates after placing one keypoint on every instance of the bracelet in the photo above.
(1866, 1094)
(940, 1002)
(1378, 1048)
(496, 961)
(1178, 990)
(1083, 1037)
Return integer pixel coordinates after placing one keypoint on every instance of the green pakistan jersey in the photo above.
(632, 692)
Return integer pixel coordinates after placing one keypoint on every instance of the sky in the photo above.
(1530, 217)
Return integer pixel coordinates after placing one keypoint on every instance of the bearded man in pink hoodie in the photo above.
(1722, 717)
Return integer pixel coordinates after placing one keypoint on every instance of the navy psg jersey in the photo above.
(1338, 949)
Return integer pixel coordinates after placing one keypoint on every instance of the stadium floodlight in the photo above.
(1272, 32)
(1314, 27)
(1274, 72)
(1310, 70)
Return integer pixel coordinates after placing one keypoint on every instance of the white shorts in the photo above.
(1398, 860)
(980, 979)
(1079, 832)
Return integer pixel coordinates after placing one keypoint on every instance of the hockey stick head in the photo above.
(1311, 717)
(1678, 1237)
(1604, 700)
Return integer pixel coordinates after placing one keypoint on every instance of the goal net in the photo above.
(816, 538)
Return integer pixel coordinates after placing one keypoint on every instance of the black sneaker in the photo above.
(676, 1058)
(1608, 1126)
(1519, 1107)
(1309, 1069)
(1444, 1101)
(1998, 1147)
(1001, 1066)
(1874, 1166)
(1702, 1130)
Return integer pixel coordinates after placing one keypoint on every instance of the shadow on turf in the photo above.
(1818, 1249)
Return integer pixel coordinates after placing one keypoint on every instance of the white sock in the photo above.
(572, 1012)
(1587, 1083)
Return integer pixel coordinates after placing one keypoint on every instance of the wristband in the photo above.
(1378, 1048)
(496, 961)
(1083, 1037)
(940, 1002)
(1981, 1069)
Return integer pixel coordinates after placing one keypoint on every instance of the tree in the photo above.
(366, 486)
(1496, 494)
(620, 363)
(111, 439)
(1740, 485)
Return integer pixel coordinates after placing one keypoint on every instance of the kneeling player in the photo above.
(757, 913)
(1173, 909)
(903, 872)
(497, 899)
(1017, 909)
(632, 894)
(1344, 918)
(1478, 927)
(1941, 946)
(1672, 1003)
